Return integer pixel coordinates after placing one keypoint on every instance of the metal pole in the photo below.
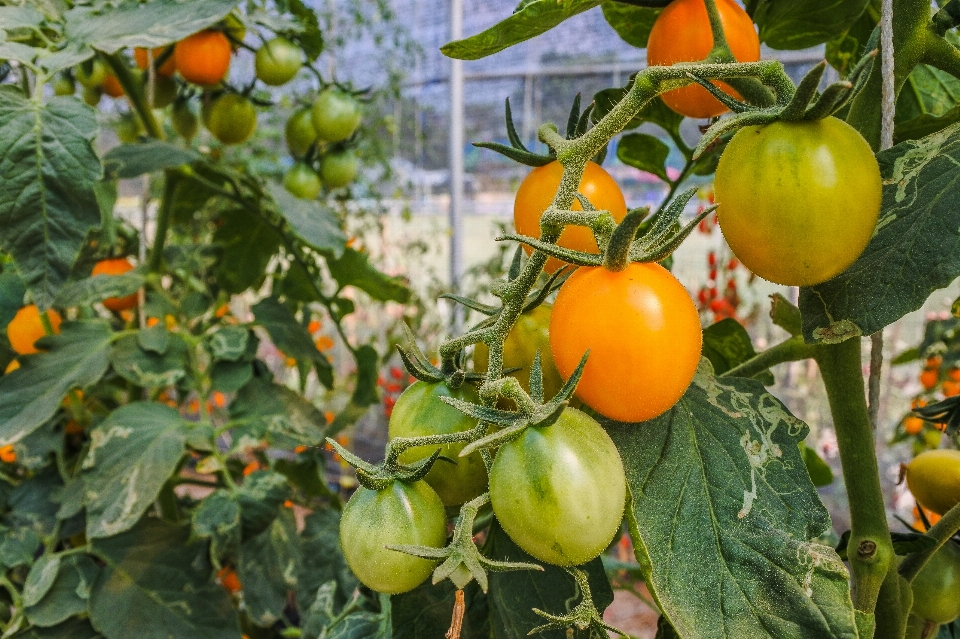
(456, 162)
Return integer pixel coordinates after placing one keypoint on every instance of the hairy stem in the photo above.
(941, 532)
(791, 350)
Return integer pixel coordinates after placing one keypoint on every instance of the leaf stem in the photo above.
(163, 220)
(941, 532)
(793, 349)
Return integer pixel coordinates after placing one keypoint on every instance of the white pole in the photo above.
(456, 162)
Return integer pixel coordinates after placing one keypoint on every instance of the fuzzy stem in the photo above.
(941, 532)
(791, 350)
(134, 92)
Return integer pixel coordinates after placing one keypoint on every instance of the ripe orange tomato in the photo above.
(682, 34)
(8, 455)
(116, 266)
(111, 86)
(643, 333)
(912, 425)
(26, 328)
(229, 580)
(951, 388)
(203, 58)
(167, 69)
(536, 194)
(929, 378)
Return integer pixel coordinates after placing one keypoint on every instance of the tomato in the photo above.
(402, 513)
(203, 58)
(111, 86)
(929, 378)
(232, 118)
(530, 334)
(26, 328)
(91, 96)
(339, 168)
(64, 85)
(167, 69)
(164, 91)
(116, 266)
(91, 73)
(299, 133)
(302, 181)
(936, 588)
(643, 333)
(951, 388)
(536, 193)
(912, 425)
(184, 120)
(278, 61)
(682, 33)
(559, 491)
(933, 477)
(228, 578)
(336, 115)
(798, 200)
(128, 128)
(420, 412)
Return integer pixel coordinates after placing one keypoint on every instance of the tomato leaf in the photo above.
(100, 287)
(248, 244)
(18, 547)
(718, 482)
(11, 297)
(820, 472)
(645, 152)
(260, 497)
(217, 518)
(291, 337)
(632, 23)
(311, 39)
(75, 628)
(727, 345)
(798, 24)
(148, 368)
(154, 570)
(268, 568)
(323, 559)
(132, 160)
(353, 268)
(47, 201)
(909, 255)
(425, 612)
(316, 225)
(61, 588)
(276, 413)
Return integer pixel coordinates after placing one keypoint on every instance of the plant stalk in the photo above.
(163, 220)
(790, 350)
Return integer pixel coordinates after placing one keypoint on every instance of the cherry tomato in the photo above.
(184, 120)
(203, 58)
(798, 200)
(559, 491)
(929, 378)
(912, 425)
(91, 96)
(419, 412)
(682, 33)
(299, 133)
(232, 118)
(63, 85)
(936, 588)
(339, 168)
(26, 328)
(336, 115)
(951, 388)
(111, 86)
(643, 333)
(278, 61)
(167, 69)
(302, 181)
(530, 334)
(129, 128)
(537, 191)
(933, 477)
(116, 267)
(164, 91)
(91, 73)
(402, 513)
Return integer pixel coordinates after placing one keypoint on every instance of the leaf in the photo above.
(248, 244)
(316, 225)
(132, 454)
(29, 396)
(73, 629)
(32, 509)
(426, 612)
(11, 297)
(845, 49)
(153, 570)
(148, 368)
(47, 202)
(645, 152)
(260, 497)
(820, 472)
(291, 337)
(217, 518)
(727, 345)
(718, 483)
(798, 24)
(19, 17)
(924, 125)
(323, 559)
(132, 160)
(100, 287)
(353, 268)
(18, 547)
(311, 39)
(230, 343)
(268, 568)
(632, 24)
(67, 592)
(909, 256)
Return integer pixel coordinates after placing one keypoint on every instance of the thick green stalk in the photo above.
(163, 220)
(134, 92)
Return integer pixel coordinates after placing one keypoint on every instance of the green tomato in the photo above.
(402, 513)
(420, 412)
(300, 133)
(339, 168)
(302, 181)
(278, 61)
(64, 85)
(232, 118)
(91, 73)
(936, 588)
(336, 115)
(129, 129)
(164, 90)
(91, 95)
(184, 120)
(933, 477)
(917, 628)
(559, 491)
(798, 201)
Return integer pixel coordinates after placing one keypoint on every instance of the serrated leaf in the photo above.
(217, 518)
(11, 297)
(47, 201)
(353, 268)
(645, 152)
(291, 337)
(260, 497)
(132, 454)
(76, 358)
(798, 24)
(132, 160)
(632, 24)
(268, 568)
(727, 344)
(100, 287)
(276, 413)
(311, 38)
(148, 368)
(67, 592)
(718, 482)
(315, 224)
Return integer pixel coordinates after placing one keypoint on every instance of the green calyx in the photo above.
(379, 477)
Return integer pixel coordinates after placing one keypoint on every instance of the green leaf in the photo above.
(727, 345)
(132, 454)
(268, 568)
(147, 368)
(316, 225)
(426, 611)
(248, 244)
(718, 483)
(29, 396)
(307, 472)
(843, 51)
(217, 518)
(645, 152)
(820, 472)
(323, 559)
(311, 38)
(32, 511)
(155, 339)
(798, 24)
(230, 343)
(353, 268)
(19, 17)
(291, 337)
(11, 297)
(154, 571)
(100, 287)
(632, 24)
(260, 497)
(928, 91)
(63, 591)
(18, 547)
(74, 629)
(132, 160)
(910, 254)
(47, 201)
(924, 125)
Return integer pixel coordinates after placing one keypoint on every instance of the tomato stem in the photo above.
(134, 92)
(163, 220)
(791, 350)
(941, 532)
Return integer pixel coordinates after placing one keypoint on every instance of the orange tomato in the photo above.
(929, 378)
(951, 388)
(117, 266)
(682, 34)
(954, 373)
(167, 69)
(536, 194)
(222, 310)
(204, 57)
(111, 86)
(324, 343)
(12, 366)
(229, 580)
(250, 468)
(313, 327)
(7, 454)
(26, 328)
(912, 425)
(643, 333)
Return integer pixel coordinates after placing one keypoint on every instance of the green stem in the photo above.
(939, 53)
(871, 551)
(134, 92)
(941, 532)
(163, 220)
(721, 50)
(791, 350)
(893, 604)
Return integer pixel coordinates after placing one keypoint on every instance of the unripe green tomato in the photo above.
(164, 91)
(91, 95)
(934, 479)
(559, 491)
(936, 588)
(91, 73)
(232, 118)
(278, 61)
(129, 129)
(64, 85)
(300, 133)
(184, 120)
(401, 514)
(339, 168)
(302, 181)
(336, 115)
(917, 628)
(420, 412)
